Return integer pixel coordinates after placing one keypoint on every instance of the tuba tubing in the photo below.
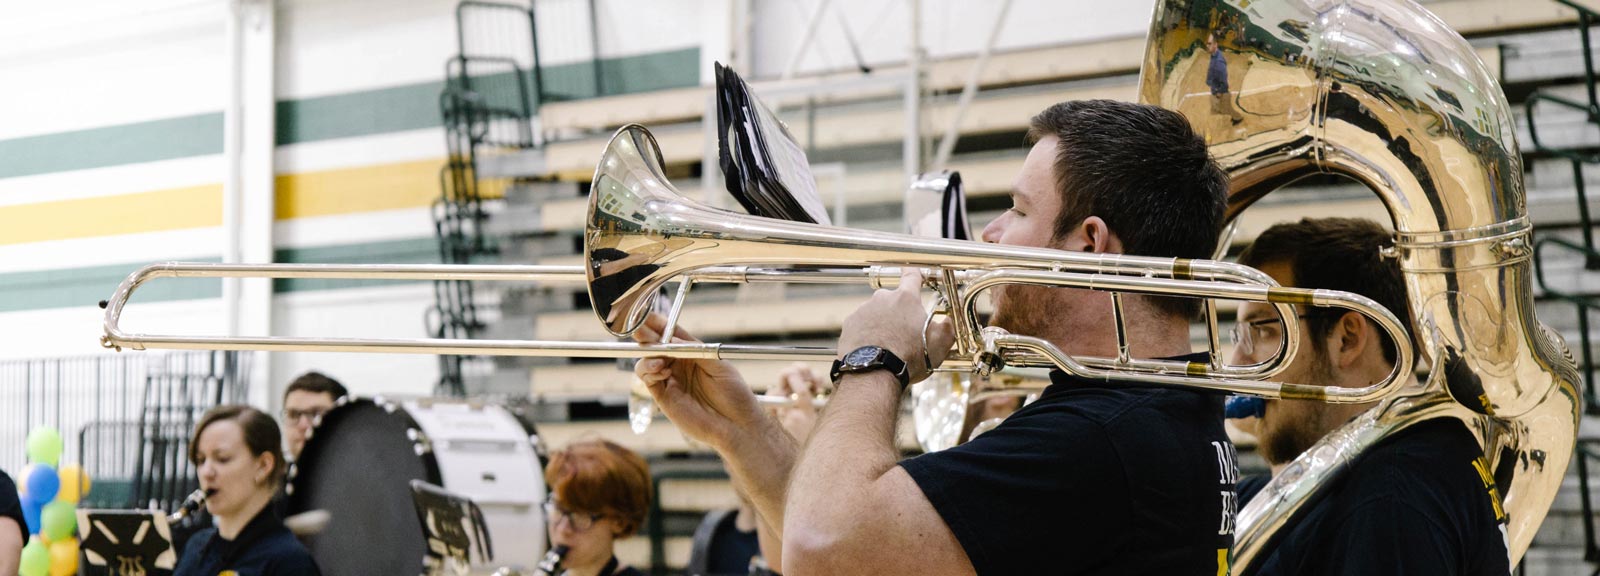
(1385, 93)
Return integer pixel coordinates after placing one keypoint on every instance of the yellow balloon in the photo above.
(64, 557)
(22, 481)
(74, 483)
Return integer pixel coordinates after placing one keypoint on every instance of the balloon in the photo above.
(60, 520)
(35, 559)
(32, 511)
(74, 483)
(64, 557)
(43, 483)
(22, 480)
(44, 445)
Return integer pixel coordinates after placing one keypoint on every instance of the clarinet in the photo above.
(195, 500)
(551, 564)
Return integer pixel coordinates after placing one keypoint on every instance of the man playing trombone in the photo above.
(1089, 479)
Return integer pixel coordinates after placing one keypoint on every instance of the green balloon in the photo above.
(44, 446)
(59, 520)
(35, 559)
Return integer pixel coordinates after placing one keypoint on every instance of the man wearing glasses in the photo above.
(1421, 502)
(309, 396)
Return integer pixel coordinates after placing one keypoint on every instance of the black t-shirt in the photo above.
(263, 548)
(1421, 502)
(11, 505)
(731, 549)
(1251, 485)
(1092, 478)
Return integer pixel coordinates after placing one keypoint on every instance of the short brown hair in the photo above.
(1336, 254)
(319, 383)
(260, 434)
(601, 477)
(1143, 170)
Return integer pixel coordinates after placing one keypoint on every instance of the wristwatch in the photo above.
(867, 359)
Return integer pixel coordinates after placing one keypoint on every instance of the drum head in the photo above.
(358, 466)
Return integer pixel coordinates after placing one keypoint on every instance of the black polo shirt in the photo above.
(263, 548)
(1421, 502)
(11, 505)
(1092, 478)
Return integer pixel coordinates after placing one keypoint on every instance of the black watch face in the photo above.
(861, 356)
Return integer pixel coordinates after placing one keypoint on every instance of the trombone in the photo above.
(641, 235)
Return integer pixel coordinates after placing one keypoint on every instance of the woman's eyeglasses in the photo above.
(579, 521)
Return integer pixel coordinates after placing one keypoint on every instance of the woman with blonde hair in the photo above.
(599, 493)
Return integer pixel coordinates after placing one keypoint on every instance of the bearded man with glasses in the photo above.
(1420, 502)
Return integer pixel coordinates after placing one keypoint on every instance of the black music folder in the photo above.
(764, 167)
(453, 527)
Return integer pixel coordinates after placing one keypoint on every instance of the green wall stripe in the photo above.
(416, 106)
(165, 139)
(87, 286)
(625, 75)
(70, 287)
(409, 107)
(408, 251)
(350, 115)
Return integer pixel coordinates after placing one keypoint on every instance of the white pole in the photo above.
(912, 147)
(952, 133)
(805, 41)
(233, 159)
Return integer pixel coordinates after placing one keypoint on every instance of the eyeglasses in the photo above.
(1263, 337)
(292, 415)
(579, 521)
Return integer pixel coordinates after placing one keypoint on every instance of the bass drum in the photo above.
(361, 457)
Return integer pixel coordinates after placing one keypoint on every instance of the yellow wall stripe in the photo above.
(155, 211)
(325, 193)
(363, 189)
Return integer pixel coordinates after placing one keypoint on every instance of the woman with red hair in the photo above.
(599, 493)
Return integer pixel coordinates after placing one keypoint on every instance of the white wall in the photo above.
(76, 64)
(949, 28)
(387, 312)
(335, 46)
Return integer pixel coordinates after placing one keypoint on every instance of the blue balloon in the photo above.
(43, 483)
(32, 511)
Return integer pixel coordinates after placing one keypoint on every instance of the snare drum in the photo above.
(360, 459)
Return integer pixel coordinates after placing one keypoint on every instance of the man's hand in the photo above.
(893, 319)
(707, 399)
(797, 382)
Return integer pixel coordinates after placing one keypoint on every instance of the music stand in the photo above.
(125, 542)
(453, 526)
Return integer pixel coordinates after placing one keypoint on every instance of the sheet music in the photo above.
(791, 167)
(765, 168)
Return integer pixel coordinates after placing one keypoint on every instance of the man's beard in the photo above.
(1296, 435)
(1025, 310)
